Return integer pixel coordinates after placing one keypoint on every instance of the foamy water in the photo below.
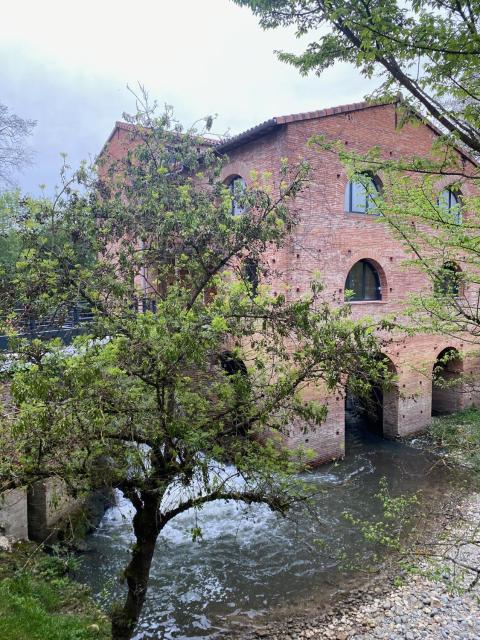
(250, 560)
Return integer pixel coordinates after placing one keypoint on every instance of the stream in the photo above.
(251, 561)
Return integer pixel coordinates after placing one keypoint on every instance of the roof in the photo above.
(278, 121)
(264, 127)
(127, 126)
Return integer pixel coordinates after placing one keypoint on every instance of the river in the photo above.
(250, 561)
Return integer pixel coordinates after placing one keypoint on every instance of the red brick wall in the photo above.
(330, 240)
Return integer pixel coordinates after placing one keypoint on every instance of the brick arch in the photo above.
(232, 364)
(233, 169)
(447, 346)
(232, 176)
(380, 413)
(441, 344)
(446, 183)
(380, 270)
(447, 389)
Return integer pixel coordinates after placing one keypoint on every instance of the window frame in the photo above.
(236, 210)
(447, 207)
(349, 199)
(251, 274)
(366, 264)
(449, 286)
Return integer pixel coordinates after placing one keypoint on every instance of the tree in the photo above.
(432, 206)
(9, 241)
(430, 49)
(14, 154)
(190, 400)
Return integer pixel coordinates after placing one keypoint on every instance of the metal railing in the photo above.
(65, 326)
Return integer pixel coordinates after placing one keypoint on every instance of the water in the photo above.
(251, 561)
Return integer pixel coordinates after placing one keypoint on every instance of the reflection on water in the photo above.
(251, 560)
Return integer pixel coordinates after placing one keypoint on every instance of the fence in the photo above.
(65, 326)
(71, 324)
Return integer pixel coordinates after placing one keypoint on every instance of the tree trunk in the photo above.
(146, 528)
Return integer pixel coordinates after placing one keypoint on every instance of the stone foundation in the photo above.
(13, 514)
(48, 504)
(408, 406)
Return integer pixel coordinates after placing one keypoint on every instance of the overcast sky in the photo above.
(67, 66)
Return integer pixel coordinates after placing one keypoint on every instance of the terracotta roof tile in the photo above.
(269, 125)
(323, 113)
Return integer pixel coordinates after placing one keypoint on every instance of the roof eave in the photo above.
(247, 136)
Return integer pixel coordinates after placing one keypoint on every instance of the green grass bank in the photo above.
(458, 435)
(38, 600)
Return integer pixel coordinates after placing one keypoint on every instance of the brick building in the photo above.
(336, 238)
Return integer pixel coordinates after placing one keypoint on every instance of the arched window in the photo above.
(360, 194)
(363, 280)
(250, 274)
(448, 280)
(231, 364)
(448, 393)
(449, 202)
(237, 186)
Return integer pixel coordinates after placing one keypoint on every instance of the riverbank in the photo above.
(252, 567)
(457, 437)
(38, 600)
(440, 598)
(432, 593)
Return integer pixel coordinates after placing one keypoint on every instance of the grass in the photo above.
(38, 601)
(459, 435)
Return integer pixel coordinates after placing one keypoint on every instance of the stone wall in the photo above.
(13, 514)
(48, 504)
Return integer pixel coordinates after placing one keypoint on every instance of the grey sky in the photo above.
(67, 65)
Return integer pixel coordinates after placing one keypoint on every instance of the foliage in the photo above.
(191, 399)
(387, 530)
(9, 240)
(426, 47)
(459, 436)
(430, 49)
(38, 600)
(440, 241)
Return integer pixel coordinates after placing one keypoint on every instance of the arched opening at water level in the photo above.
(446, 382)
(377, 412)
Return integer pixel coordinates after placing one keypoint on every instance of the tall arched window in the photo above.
(360, 194)
(449, 202)
(364, 281)
(231, 364)
(237, 186)
(251, 275)
(449, 280)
